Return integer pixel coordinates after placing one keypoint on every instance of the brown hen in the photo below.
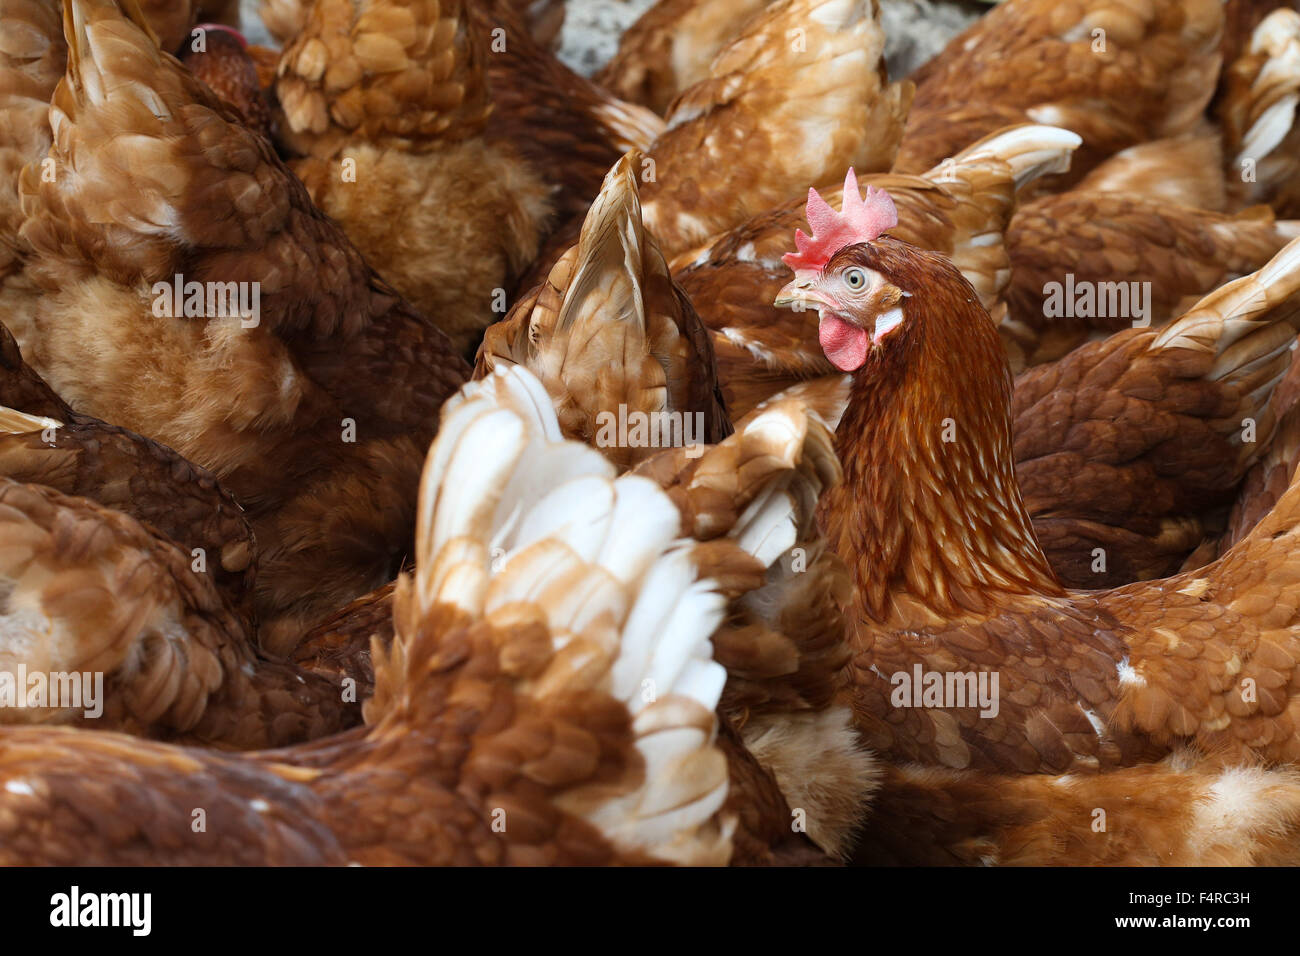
(92, 593)
(951, 581)
(315, 411)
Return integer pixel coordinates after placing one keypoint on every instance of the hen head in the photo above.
(879, 299)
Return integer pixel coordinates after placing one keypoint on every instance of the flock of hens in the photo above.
(413, 452)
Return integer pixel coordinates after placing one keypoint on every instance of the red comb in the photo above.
(861, 221)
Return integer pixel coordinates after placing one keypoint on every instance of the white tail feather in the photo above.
(510, 512)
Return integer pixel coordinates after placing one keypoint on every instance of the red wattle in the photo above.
(844, 343)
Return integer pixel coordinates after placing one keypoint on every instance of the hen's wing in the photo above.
(131, 474)
(1124, 445)
(1165, 255)
(1257, 110)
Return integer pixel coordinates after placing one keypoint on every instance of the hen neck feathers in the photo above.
(929, 513)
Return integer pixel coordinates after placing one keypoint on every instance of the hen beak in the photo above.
(799, 291)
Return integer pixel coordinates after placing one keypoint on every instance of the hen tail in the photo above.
(807, 71)
(1258, 109)
(599, 620)
(1249, 326)
(983, 180)
(618, 346)
(752, 501)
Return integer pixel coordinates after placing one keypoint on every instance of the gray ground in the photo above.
(917, 29)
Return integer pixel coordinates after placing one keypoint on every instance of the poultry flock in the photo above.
(326, 372)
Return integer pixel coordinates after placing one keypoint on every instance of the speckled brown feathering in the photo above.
(1183, 811)
(570, 130)
(88, 589)
(951, 577)
(339, 648)
(1135, 444)
(126, 472)
(751, 501)
(1034, 61)
(31, 65)
(613, 339)
(317, 417)
(509, 722)
(1266, 481)
(1260, 90)
(958, 208)
(406, 72)
(670, 47)
(146, 480)
(388, 99)
(725, 155)
(1119, 236)
(283, 19)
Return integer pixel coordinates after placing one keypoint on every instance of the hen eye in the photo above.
(855, 278)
